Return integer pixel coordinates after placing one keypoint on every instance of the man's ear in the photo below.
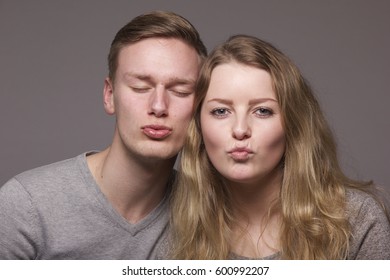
(108, 97)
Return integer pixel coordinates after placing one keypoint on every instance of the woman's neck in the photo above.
(257, 224)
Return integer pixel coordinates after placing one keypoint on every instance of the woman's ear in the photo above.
(108, 97)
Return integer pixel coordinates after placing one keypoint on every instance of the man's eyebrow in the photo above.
(171, 81)
(131, 75)
(181, 81)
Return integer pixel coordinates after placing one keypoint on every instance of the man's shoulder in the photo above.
(49, 170)
(50, 175)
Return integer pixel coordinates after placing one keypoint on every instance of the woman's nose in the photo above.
(241, 129)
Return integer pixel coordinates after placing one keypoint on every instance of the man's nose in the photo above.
(158, 103)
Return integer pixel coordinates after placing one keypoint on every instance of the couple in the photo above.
(258, 175)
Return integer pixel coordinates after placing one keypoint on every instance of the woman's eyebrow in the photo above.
(260, 100)
(221, 100)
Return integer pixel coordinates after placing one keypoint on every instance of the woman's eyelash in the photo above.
(219, 112)
(262, 111)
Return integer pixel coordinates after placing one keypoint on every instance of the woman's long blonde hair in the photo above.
(312, 197)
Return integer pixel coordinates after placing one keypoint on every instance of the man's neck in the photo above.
(134, 188)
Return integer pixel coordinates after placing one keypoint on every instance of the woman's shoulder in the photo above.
(370, 227)
(360, 202)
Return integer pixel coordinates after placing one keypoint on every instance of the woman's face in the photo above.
(241, 124)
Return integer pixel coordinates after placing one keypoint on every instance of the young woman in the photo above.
(259, 175)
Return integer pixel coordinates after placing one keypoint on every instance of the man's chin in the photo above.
(159, 156)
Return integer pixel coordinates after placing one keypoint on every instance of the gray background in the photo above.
(53, 64)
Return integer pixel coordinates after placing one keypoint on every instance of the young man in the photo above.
(113, 204)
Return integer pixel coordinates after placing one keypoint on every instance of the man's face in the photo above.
(152, 97)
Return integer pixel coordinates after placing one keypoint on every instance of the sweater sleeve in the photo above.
(18, 223)
(370, 230)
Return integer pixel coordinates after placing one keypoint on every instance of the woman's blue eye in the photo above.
(219, 112)
(263, 112)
